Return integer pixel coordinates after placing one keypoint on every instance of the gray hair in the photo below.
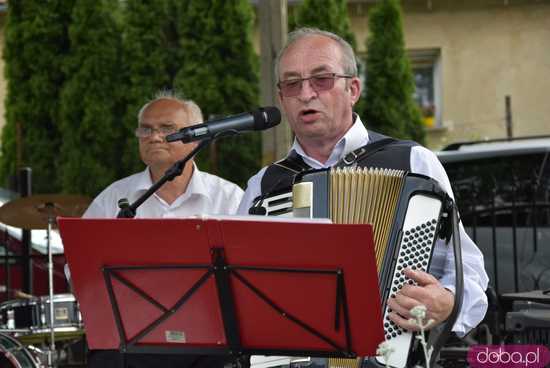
(193, 111)
(349, 62)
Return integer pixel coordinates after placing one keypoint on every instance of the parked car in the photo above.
(502, 188)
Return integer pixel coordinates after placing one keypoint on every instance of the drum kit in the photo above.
(29, 325)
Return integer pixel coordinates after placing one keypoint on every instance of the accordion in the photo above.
(408, 213)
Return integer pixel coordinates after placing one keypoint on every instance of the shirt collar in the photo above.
(357, 136)
(143, 180)
(197, 185)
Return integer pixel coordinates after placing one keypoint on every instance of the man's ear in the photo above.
(355, 90)
(280, 98)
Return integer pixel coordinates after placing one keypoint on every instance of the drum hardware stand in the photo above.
(40, 212)
(49, 209)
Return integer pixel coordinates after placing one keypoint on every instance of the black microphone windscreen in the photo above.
(266, 117)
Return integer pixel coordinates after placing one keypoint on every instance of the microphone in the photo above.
(261, 119)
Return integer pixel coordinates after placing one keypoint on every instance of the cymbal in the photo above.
(33, 212)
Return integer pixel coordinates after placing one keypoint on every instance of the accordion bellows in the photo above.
(366, 196)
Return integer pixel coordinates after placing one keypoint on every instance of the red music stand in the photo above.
(214, 286)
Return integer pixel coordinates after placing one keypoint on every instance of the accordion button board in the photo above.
(418, 237)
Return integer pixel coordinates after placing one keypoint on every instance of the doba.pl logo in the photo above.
(504, 356)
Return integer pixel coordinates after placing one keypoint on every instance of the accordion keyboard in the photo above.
(415, 249)
(278, 205)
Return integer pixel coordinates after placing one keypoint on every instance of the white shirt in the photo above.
(422, 161)
(205, 194)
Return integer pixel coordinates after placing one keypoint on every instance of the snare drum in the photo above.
(14, 355)
(65, 311)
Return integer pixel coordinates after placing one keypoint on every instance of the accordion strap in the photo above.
(280, 175)
(363, 152)
(293, 163)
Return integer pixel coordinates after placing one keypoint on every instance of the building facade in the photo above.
(467, 57)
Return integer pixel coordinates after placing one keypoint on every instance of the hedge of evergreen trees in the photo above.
(36, 44)
(79, 71)
(91, 109)
(328, 15)
(388, 105)
(220, 72)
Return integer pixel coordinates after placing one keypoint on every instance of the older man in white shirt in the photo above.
(192, 193)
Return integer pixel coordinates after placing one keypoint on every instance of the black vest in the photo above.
(380, 152)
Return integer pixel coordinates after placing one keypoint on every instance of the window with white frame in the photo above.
(426, 67)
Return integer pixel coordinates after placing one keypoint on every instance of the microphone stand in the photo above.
(128, 210)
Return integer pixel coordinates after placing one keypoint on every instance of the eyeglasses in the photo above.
(146, 131)
(319, 83)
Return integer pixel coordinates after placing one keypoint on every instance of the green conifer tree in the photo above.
(36, 43)
(220, 72)
(389, 104)
(90, 101)
(328, 15)
(152, 56)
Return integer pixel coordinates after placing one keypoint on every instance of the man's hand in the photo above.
(429, 292)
